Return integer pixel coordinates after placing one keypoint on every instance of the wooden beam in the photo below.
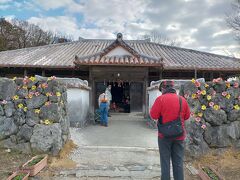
(25, 72)
(195, 73)
(43, 73)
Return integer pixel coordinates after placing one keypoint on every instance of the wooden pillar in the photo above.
(92, 92)
(195, 73)
(161, 74)
(145, 97)
(211, 76)
(25, 72)
(43, 73)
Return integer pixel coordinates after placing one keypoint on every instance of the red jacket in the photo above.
(168, 106)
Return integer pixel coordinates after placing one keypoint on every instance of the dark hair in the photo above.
(166, 84)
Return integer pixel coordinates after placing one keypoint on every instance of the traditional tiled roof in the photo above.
(92, 51)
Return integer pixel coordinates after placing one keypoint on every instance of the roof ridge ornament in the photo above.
(119, 36)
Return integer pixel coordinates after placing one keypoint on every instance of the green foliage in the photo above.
(35, 161)
(210, 173)
(19, 176)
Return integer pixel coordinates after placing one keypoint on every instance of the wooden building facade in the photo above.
(130, 65)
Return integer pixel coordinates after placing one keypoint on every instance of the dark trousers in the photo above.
(171, 149)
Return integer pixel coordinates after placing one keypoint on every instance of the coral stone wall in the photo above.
(215, 117)
(33, 114)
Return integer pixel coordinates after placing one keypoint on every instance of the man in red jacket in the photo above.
(167, 107)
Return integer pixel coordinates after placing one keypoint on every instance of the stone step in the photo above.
(126, 171)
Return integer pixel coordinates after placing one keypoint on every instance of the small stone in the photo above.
(8, 150)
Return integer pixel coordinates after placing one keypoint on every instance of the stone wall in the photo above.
(215, 117)
(33, 114)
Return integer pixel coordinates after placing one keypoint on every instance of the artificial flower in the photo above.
(15, 97)
(224, 93)
(239, 98)
(25, 80)
(197, 84)
(47, 122)
(32, 78)
(200, 114)
(58, 94)
(211, 104)
(34, 87)
(192, 114)
(203, 126)
(203, 107)
(198, 92)
(203, 92)
(209, 97)
(44, 85)
(206, 85)
(213, 93)
(237, 107)
(37, 111)
(228, 84)
(216, 107)
(47, 103)
(24, 87)
(51, 78)
(4, 102)
(193, 80)
(228, 96)
(14, 78)
(20, 106)
(25, 109)
(49, 94)
(194, 96)
(197, 119)
(37, 93)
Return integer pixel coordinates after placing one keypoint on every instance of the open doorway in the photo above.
(120, 97)
(126, 97)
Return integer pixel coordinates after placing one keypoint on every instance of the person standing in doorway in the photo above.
(167, 108)
(103, 106)
(109, 96)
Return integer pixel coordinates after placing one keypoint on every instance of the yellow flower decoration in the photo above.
(200, 114)
(47, 122)
(203, 92)
(32, 78)
(15, 97)
(193, 80)
(34, 87)
(228, 96)
(58, 94)
(237, 107)
(37, 111)
(216, 107)
(61, 102)
(14, 78)
(20, 106)
(228, 84)
(209, 97)
(30, 96)
(24, 87)
(206, 85)
(25, 109)
(203, 107)
(194, 96)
